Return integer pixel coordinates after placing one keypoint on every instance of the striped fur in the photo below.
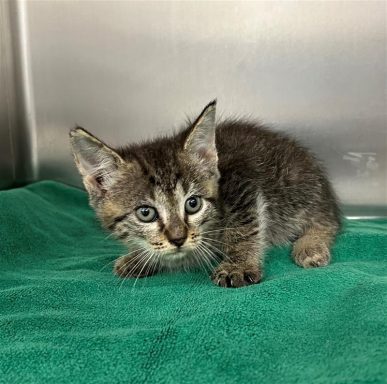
(258, 188)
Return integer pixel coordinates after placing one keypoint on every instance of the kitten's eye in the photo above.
(146, 214)
(193, 204)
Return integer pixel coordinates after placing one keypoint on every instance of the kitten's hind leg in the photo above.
(312, 248)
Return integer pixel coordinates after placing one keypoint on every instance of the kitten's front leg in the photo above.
(136, 265)
(244, 247)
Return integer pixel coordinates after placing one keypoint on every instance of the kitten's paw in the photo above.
(236, 275)
(316, 255)
(129, 266)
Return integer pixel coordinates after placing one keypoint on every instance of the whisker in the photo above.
(194, 254)
(155, 263)
(198, 258)
(141, 256)
(112, 261)
(151, 264)
(218, 230)
(109, 235)
(201, 257)
(216, 249)
(211, 239)
(146, 262)
(212, 254)
(208, 257)
(134, 257)
(108, 263)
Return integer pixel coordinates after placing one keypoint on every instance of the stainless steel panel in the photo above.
(131, 70)
(18, 155)
(6, 102)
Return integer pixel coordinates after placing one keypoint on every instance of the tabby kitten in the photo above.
(212, 191)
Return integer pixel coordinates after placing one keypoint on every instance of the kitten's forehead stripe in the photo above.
(179, 194)
(172, 203)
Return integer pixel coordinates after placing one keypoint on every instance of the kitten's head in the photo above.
(159, 197)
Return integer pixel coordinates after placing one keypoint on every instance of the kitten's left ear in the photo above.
(201, 139)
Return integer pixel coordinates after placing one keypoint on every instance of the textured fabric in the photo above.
(64, 317)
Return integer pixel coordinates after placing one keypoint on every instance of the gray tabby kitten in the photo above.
(212, 191)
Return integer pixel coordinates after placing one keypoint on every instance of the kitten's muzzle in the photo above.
(177, 236)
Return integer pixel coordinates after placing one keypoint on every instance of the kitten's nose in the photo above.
(176, 232)
(178, 241)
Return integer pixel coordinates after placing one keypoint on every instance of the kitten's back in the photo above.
(286, 175)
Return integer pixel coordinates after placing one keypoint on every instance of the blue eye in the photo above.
(146, 214)
(193, 204)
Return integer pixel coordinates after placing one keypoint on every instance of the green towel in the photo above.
(65, 318)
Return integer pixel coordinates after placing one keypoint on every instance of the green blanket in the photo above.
(64, 317)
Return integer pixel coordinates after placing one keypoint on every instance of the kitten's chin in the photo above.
(177, 259)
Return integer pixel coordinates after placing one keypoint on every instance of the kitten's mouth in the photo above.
(176, 251)
(175, 255)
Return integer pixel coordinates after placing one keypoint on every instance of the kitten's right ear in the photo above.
(96, 162)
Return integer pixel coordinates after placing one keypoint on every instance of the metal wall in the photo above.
(7, 160)
(130, 70)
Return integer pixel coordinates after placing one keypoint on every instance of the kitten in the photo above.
(212, 191)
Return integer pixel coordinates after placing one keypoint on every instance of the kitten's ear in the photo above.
(201, 139)
(96, 162)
